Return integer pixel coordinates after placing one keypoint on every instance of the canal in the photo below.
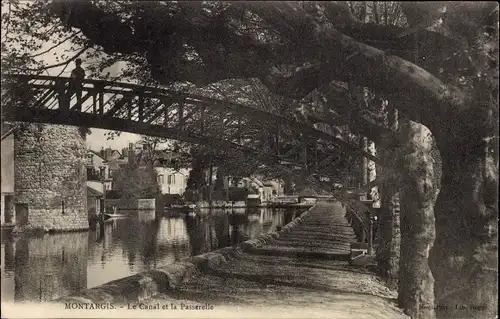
(45, 267)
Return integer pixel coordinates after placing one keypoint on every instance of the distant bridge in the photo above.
(175, 115)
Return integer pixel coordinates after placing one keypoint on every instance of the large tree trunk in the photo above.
(390, 239)
(389, 244)
(465, 257)
(419, 191)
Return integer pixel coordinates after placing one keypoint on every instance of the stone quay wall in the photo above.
(146, 204)
(50, 178)
(130, 204)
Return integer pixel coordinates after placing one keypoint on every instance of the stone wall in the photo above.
(50, 176)
(220, 204)
(146, 204)
(130, 204)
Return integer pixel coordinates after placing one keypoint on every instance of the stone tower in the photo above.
(50, 177)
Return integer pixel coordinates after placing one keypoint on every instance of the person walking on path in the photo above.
(77, 77)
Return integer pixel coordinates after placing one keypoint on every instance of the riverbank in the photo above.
(46, 266)
(288, 272)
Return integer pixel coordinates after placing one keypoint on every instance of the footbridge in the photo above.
(274, 138)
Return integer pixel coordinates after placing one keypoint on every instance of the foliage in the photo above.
(133, 181)
(237, 194)
(341, 61)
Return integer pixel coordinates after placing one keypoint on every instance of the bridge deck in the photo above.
(293, 276)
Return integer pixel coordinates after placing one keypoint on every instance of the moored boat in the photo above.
(108, 215)
(114, 214)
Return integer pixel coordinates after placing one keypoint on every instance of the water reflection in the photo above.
(50, 266)
(45, 267)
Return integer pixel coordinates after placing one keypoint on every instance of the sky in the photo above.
(96, 140)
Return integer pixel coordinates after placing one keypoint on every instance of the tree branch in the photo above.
(226, 54)
(62, 63)
(56, 45)
(8, 22)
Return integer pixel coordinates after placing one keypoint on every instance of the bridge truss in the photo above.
(275, 139)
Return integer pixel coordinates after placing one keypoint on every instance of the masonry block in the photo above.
(50, 177)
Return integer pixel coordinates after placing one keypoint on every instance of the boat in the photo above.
(108, 215)
(114, 214)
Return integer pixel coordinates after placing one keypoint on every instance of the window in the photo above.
(168, 190)
(160, 179)
(169, 180)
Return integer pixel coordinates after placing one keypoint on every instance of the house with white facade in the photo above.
(266, 191)
(172, 181)
(98, 170)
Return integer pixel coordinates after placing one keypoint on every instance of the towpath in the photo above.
(304, 273)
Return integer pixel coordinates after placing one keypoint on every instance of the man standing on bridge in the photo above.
(77, 75)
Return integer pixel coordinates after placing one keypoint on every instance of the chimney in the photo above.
(108, 152)
(102, 152)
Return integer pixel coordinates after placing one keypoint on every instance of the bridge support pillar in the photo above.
(50, 178)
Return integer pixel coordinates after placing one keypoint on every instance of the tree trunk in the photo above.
(465, 257)
(373, 191)
(419, 191)
(210, 188)
(364, 164)
(390, 239)
(389, 244)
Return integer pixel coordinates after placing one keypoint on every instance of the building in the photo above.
(98, 170)
(171, 181)
(7, 153)
(94, 204)
(272, 189)
(266, 191)
(117, 160)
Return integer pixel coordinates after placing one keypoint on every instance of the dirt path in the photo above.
(281, 280)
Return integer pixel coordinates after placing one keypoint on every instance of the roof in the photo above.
(91, 192)
(115, 152)
(254, 180)
(273, 184)
(95, 153)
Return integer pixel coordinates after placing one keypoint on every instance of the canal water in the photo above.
(41, 268)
